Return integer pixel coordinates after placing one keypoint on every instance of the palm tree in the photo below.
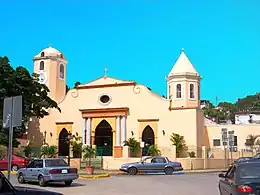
(49, 151)
(179, 142)
(133, 144)
(153, 151)
(88, 153)
(252, 141)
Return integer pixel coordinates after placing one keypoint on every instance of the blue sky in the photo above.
(140, 40)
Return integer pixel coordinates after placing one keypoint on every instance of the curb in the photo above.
(12, 172)
(178, 173)
(106, 175)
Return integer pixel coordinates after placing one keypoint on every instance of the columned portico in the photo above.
(118, 131)
(118, 115)
(123, 130)
(88, 137)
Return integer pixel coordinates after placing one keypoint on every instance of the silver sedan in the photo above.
(48, 170)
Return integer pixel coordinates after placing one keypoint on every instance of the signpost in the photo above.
(224, 142)
(142, 146)
(12, 117)
(231, 142)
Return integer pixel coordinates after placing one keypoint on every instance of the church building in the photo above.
(107, 111)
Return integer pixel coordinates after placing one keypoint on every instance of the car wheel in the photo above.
(14, 168)
(41, 181)
(68, 183)
(21, 178)
(168, 170)
(132, 171)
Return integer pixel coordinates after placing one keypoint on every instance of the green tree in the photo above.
(153, 151)
(76, 84)
(133, 144)
(180, 143)
(251, 141)
(36, 101)
(49, 151)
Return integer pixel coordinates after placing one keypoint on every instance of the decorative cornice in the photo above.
(147, 120)
(106, 85)
(104, 112)
(184, 108)
(64, 123)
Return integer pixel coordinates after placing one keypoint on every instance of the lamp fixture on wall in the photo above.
(132, 133)
(77, 134)
(163, 132)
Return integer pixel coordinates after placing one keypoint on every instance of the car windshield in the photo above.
(249, 171)
(55, 163)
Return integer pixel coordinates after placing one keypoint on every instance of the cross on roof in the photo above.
(105, 71)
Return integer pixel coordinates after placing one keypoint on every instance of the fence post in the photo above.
(204, 157)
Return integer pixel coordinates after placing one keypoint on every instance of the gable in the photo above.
(105, 81)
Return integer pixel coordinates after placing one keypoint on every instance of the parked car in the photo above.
(152, 165)
(48, 170)
(241, 178)
(7, 188)
(17, 162)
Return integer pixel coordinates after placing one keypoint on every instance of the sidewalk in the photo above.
(117, 172)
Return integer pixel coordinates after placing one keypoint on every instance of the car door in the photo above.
(226, 183)
(28, 173)
(159, 164)
(36, 169)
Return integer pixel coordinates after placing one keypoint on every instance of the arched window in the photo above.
(61, 71)
(192, 94)
(178, 91)
(41, 65)
(42, 54)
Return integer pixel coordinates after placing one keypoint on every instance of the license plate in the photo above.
(64, 171)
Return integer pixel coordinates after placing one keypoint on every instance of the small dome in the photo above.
(50, 51)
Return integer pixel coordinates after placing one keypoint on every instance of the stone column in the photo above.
(123, 130)
(88, 139)
(118, 131)
(84, 140)
(117, 153)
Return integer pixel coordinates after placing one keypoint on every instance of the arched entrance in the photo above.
(147, 138)
(104, 139)
(64, 146)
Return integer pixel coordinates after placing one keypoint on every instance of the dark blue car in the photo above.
(241, 178)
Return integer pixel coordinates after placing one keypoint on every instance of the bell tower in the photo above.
(183, 84)
(51, 66)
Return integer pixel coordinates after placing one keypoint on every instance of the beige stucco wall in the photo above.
(142, 104)
(241, 131)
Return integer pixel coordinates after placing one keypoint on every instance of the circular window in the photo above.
(104, 99)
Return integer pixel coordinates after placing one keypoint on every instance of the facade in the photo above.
(107, 111)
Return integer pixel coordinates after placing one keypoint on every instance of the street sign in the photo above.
(12, 117)
(224, 136)
(231, 138)
(12, 106)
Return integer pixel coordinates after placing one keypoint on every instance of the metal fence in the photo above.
(96, 162)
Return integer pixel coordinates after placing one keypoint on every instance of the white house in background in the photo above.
(247, 117)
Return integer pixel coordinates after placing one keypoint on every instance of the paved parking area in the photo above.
(195, 184)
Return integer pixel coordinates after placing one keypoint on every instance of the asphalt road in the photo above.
(187, 184)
